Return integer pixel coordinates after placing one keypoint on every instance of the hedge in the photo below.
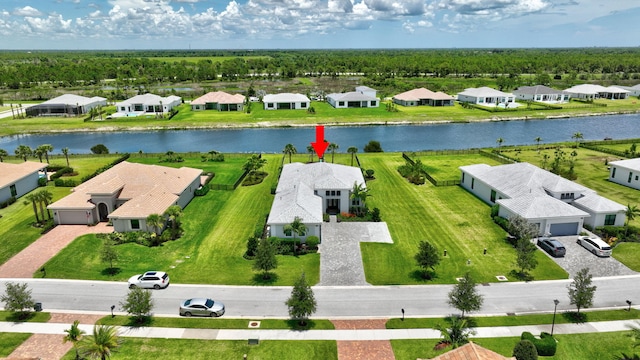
(106, 167)
(546, 345)
(62, 171)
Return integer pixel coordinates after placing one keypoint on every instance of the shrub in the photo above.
(252, 247)
(375, 215)
(7, 202)
(502, 222)
(59, 173)
(373, 146)
(525, 350)
(42, 181)
(202, 191)
(545, 346)
(65, 183)
(369, 173)
(312, 242)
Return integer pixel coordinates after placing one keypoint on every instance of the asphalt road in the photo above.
(333, 302)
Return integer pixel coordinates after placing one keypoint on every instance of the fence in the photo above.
(431, 179)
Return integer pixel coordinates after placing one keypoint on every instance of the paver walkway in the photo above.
(340, 256)
(28, 261)
(361, 350)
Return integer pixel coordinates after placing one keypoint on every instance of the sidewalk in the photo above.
(342, 335)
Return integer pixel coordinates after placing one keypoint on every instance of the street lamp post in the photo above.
(555, 307)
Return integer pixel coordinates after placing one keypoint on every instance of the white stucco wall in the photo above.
(622, 176)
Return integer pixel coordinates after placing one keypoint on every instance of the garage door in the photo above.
(564, 229)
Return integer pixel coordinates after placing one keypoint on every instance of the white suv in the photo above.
(150, 280)
(595, 245)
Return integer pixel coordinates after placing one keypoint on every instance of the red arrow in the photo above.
(321, 144)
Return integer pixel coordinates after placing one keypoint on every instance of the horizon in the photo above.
(75, 25)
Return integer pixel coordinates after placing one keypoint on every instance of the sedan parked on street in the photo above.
(552, 246)
(201, 307)
(149, 280)
(595, 245)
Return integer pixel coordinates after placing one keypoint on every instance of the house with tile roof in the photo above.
(541, 93)
(285, 101)
(147, 103)
(625, 172)
(486, 96)
(66, 105)
(126, 195)
(218, 100)
(556, 205)
(471, 351)
(422, 96)
(308, 191)
(593, 91)
(19, 179)
(352, 99)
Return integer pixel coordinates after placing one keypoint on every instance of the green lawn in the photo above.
(152, 349)
(445, 167)
(10, 341)
(216, 226)
(627, 253)
(219, 323)
(449, 217)
(570, 347)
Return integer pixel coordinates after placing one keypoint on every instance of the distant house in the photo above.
(625, 172)
(486, 96)
(353, 99)
(422, 96)
(19, 179)
(147, 103)
(126, 195)
(592, 91)
(633, 90)
(66, 105)
(218, 100)
(554, 204)
(541, 93)
(285, 101)
(307, 191)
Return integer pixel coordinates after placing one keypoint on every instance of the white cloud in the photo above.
(27, 11)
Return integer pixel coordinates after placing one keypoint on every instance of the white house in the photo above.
(592, 91)
(218, 100)
(127, 194)
(66, 105)
(556, 205)
(633, 90)
(422, 96)
(486, 96)
(19, 179)
(352, 99)
(148, 103)
(541, 93)
(286, 101)
(367, 91)
(308, 191)
(625, 172)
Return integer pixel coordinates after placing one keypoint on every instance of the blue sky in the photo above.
(296, 24)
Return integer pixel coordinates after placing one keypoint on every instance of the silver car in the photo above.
(149, 280)
(201, 307)
(595, 245)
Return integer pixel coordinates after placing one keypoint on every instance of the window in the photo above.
(373, 103)
(463, 178)
(14, 191)
(630, 175)
(472, 182)
(613, 173)
(303, 105)
(333, 193)
(338, 192)
(340, 103)
(636, 177)
(493, 196)
(566, 196)
(327, 193)
(287, 232)
(270, 105)
(315, 192)
(135, 224)
(355, 202)
(610, 219)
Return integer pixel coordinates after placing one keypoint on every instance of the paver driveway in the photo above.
(28, 261)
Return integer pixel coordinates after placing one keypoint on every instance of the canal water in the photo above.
(391, 137)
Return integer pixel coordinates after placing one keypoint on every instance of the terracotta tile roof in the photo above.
(156, 201)
(11, 173)
(219, 97)
(471, 351)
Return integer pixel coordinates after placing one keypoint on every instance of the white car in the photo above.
(149, 280)
(595, 245)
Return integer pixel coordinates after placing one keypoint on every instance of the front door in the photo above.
(103, 211)
(333, 206)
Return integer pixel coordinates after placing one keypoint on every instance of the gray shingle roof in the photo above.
(538, 89)
(298, 201)
(320, 175)
(351, 96)
(285, 97)
(597, 203)
(539, 207)
(632, 164)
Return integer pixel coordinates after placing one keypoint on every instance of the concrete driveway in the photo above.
(340, 256)
(578, 258)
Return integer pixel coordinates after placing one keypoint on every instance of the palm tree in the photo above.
(24, 151)
(631, 213)
(310, 151)
(74, 335)
(155, 221)
(39, 152)
(65, 152)
(333, 147)
(537, 140)
(33, 198)
(174, 212)
(3, 154)
(102, 343)
(289, 149)
(499, 141)
(296, 228)
(44, 196)
(46, 149)
(577, 136)
(352, 150)
(457, 333)
(359, 193)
